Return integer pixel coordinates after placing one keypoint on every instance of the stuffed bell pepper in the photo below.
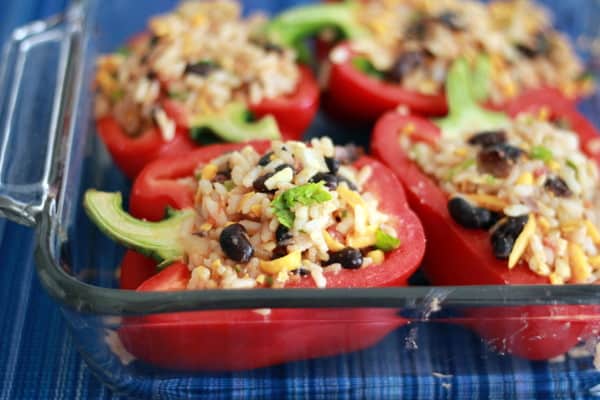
(199, 74)
(263, 215)
(513, 198)
(398, 52)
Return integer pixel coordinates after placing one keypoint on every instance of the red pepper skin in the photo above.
(353, 95)
(243, 339)
(160, 185)
(131, 154)
(293, 114)
(135, 269)
(232, 340)
(544, 335)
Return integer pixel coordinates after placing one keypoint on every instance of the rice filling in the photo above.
(200, 57)
(312, 216)
(530, 186)
(415, 42)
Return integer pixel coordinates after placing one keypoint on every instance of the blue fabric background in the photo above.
(38, 359)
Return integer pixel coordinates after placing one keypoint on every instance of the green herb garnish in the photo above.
(385, 242)
(573, 166)
(229, 185)
(117, 95)
(307, 194)
(490, 179)
(124, 51)
(460, 168)
(178, 95)
(541, 153)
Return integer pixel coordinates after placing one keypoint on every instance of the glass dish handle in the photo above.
(34, 76)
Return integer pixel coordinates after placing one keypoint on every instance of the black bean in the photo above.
(259, 183)
(283, 235)
(153, 40)
(284, 166)
(558, 186)
(451, 21)
(404, 65)
(418, 29)
(301, 271)
(350, 184)
(512, 152)
(236, 244)
(266, 159)
(272, 47)
(541, 46)
(333, 165)
(331, 181)
(268, 46)
(278, 252)
(504, 236)
(349, 258)
(498, 160)
(488, 138)
(201, 68)
(223, 176)
(366, 250)
(471, 216)
(348, 153)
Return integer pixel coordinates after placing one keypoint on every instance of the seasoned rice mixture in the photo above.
(297, 211)
(531, 186)
(415, 42)
(201, 57)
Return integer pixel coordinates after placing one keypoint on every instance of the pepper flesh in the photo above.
(350, 93)
(202, 340)
(533, 332)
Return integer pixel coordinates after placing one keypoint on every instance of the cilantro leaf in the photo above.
(123, 51)
(573, 166)
(308, 194)
(385, 242)
(541, 153)
(460, 168)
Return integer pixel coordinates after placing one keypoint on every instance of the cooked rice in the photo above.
(503, 29)
(349, 217)
(134, 83)
(565, 243)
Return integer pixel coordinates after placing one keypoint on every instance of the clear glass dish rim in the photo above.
(82, 297)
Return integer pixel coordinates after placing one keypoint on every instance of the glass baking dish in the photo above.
(50, 154)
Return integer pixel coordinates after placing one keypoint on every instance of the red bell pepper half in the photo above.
(458, 256)
(246, 339)
(351, 93)
(293, 114)
(354, 90)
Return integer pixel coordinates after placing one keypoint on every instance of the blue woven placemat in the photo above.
(38, 359)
